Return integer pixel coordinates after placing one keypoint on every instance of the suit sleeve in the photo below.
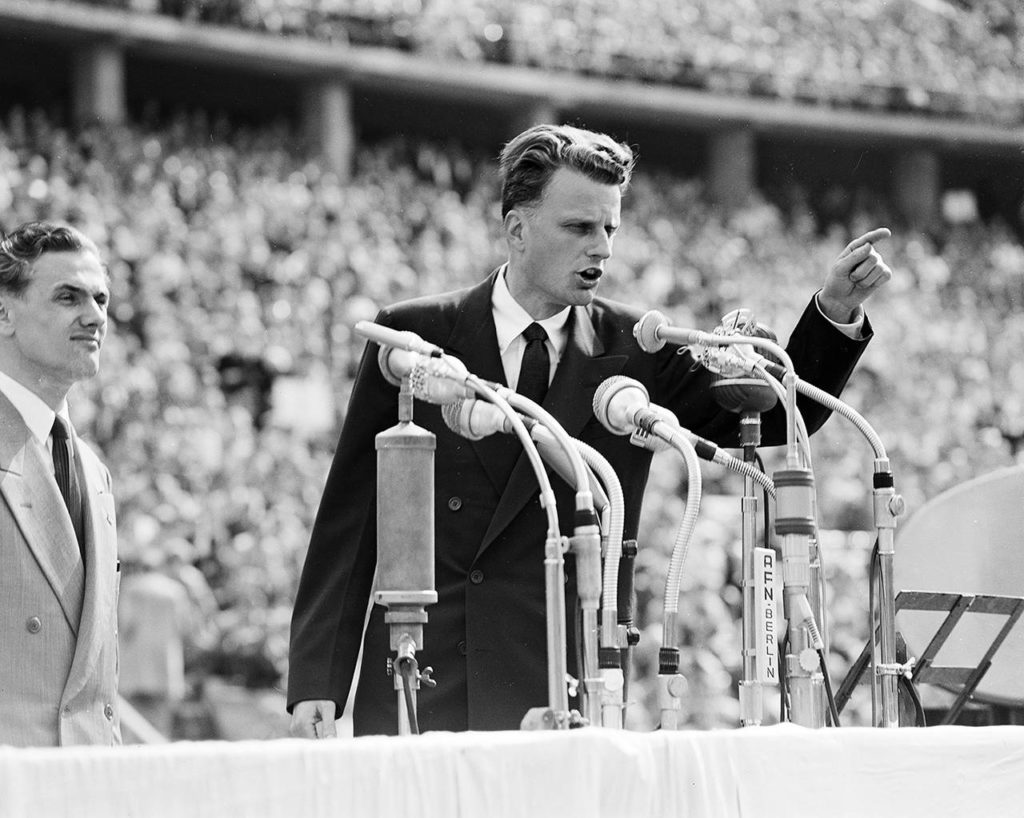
(336, 580)
(822, 355)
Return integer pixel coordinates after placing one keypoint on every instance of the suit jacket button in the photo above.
(108, 711)
(476, 576)
(455, 503)
(461, 648)
(34, 624)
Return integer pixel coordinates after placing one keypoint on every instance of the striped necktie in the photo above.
(67, 478)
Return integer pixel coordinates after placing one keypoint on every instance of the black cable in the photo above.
(920, 719)
(832, 710)
(407, 667)
(580, 656)
(783, 682)
(767, 523)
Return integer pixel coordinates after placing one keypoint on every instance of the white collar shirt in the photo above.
(37, 415)
(510, 319)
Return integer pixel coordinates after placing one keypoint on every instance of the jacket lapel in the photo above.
(31, 493)
(583, 366)
(474, 342)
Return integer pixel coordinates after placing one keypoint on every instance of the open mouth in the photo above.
(591, 275)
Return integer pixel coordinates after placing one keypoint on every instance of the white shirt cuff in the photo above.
(851, 330)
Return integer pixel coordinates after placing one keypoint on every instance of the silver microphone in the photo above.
(654, 330)
(474, 419)
(400, 339)
(622, 405)
(438, 380)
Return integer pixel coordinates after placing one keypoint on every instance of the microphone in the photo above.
(736, 390)
(475, 419)
(654, 330)
(438, 380)
(623, 407)
(399, 339)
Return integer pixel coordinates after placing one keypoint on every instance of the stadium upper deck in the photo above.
(950, 57)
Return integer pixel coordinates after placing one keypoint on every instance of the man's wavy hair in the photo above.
(528, 161)
(22, 247)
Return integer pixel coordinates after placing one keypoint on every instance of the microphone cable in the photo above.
(407, 669)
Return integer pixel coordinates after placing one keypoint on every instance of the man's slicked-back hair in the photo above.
(23, 246)
(529, 160)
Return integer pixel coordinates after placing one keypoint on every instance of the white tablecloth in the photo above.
(782, 770)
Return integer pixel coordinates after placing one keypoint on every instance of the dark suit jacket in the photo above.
(486, 636)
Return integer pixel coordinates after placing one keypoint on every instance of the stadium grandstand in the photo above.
(261, 174)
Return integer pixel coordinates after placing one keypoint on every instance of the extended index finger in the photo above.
(870, 237)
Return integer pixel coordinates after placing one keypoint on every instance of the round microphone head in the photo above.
(603, 396)
(456, 418)
(394, 363)
(735, 389)
(744, 394)
(646, 331)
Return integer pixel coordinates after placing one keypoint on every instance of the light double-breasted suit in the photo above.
(58, 617)
(486, 635)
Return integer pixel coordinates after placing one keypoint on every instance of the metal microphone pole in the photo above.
(557, 715)
(613, 637)
(749, 397)
(887, 506)
(585, 545)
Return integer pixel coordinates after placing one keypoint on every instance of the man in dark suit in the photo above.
(486, 636)
(58, 542)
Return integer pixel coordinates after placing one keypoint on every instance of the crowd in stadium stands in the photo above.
(959, 57)
(239, 268)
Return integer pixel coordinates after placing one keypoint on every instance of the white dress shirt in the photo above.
(33, 410)
(510, 319)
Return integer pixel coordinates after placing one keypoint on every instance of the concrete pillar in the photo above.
(732, 166)
(98, 84)
(329, 126)
(917, 186)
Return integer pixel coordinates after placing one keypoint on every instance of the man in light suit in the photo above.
(486, 635)
(58, 544)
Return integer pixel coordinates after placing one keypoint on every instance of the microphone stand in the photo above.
(671, 683)
(887, 505)
(613, 637)
(749, 397)
(794, 523)
(557, 715)
(430, 374)
(649, 427)
(405, 462)
(585, 544)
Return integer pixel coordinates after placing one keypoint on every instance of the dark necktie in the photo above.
(67, 478)
(536, 367)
